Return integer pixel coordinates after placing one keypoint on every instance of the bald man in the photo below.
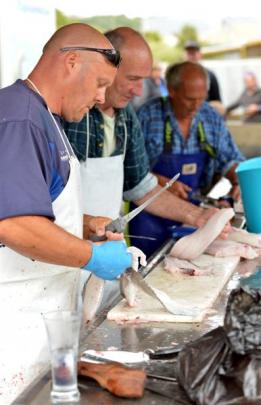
(41, 222)
(110, 145)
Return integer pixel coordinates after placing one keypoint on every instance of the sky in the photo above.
(183, 10)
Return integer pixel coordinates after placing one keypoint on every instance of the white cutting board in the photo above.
(199, 292)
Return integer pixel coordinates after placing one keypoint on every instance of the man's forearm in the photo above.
(40, 239)
(232, 176)
(169, 206)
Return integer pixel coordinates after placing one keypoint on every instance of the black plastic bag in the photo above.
(224, 366)
(242, 321)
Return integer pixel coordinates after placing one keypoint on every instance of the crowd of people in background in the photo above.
(247, 106)
(249, 100)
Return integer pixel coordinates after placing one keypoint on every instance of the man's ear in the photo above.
(71, 61)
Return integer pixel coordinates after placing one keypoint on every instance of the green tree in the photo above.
(186, 33)
(62, 19)
(105, 23)
(161, 51)
(165, 53)
(101, 23)
(152, 36)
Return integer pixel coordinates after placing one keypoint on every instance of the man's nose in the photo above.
(195, 105)
(137, 88)
(100, 95)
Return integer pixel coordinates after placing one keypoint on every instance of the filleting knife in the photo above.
(119, 224)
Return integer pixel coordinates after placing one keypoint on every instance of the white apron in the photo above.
(102, 182)
(28, 288)
(102, 185)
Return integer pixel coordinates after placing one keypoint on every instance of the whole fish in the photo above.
(127, 286)
(128, 289)
(94, 288)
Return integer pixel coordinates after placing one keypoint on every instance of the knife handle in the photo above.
(96, 238)
(115, 226)
(119, 380)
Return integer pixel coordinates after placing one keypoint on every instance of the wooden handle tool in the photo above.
(117, 379)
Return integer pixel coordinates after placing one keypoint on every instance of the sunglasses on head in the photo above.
(112, 55)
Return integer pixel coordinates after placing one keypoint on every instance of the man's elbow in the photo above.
(3, 230)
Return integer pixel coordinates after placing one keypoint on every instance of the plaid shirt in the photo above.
(152, 117)
(136, 164)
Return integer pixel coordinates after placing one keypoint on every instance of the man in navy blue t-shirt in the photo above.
(76, 66)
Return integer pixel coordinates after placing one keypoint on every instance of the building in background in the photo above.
(230, 75)
(235, 49)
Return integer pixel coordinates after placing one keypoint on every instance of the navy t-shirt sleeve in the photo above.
(25, 171)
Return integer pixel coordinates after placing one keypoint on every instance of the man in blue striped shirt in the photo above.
(184, 134)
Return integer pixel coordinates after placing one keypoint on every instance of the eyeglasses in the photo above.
(112, 55)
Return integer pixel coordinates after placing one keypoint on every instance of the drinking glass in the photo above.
(63, 328)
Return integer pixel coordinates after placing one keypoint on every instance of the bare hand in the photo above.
(96, 225)
(235, 192)
(204, 217)
(180, 189)
(251, 110)
(223, 203)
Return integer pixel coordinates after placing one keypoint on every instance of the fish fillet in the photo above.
(92, 297)
(174, 266)
(223, 248)
(176, 307)
(191, 246)
(241, 235)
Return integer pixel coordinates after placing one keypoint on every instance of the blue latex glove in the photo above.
(109, 260)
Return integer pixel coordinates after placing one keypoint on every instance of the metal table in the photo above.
(102, 334)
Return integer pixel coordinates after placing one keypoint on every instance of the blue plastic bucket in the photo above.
(249, 175)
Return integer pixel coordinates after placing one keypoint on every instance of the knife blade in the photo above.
(101, 359)
(118, 225)
(128, 217)
(163, 352)
(106, 357)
